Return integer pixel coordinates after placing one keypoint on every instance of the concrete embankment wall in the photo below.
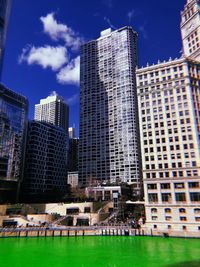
(70, 232)
(4, 233)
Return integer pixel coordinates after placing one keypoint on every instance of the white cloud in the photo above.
(61, 31)
(47, 56)
(56, 57)
(51, 27)
(71, 73)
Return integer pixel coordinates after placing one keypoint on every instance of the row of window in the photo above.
(176, 185)
(170, 131)
(169, 89)
(181, 210)
(173, 174)
(164, 78)
(181, 218)
(164, 148)
(161, 72)
(184, 227)
(179, 197)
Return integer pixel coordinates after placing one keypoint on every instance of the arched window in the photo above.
(182, 210)
(168, 210)
(153, 210)
(197, 211)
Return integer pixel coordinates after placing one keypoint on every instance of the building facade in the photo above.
(190, 29)
(109, 145)
(73, 155)
(4, 16)
(168, 99)
(13, 120)
(54, 110)
(46, 163)
(72, 151)
(72, 179)
(71, 132)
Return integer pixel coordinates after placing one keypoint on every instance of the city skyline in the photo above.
(139, 123)
(37, 83)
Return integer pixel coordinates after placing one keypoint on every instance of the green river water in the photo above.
(99, 251)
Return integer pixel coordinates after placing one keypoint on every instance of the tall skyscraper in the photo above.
(13, 119)
(190, 29)
(169, 111)
(4, 16)
(46, 163)
(54, 110)
(109, 146)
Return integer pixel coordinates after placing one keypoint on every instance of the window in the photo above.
(182, 210)
(193, 184)
(87, 210)
(166, 197)
(195, 197)
(72, 211)
(168, 218)
(180, 197)
(183, 218)
(153, 197)
(154, 218)
(168, 210)
(152, 186)
(197, 211)
(165, 186)
(179, 185)
(153, 210)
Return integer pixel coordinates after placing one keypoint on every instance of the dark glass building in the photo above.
(13, 118)
(45, 178)
(4, 15)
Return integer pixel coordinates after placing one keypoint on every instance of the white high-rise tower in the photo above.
(109, 147)
(54, 110)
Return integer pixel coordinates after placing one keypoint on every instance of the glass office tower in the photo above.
(13, 117)
(4, 15)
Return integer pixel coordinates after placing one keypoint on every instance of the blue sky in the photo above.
(42, 46)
